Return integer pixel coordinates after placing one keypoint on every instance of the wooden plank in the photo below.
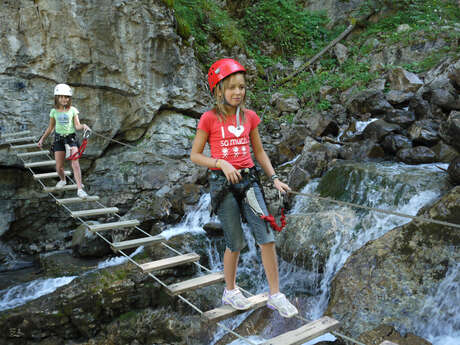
(50, 175)
(114, 225)
(145, 241)
(55, 189)
(387, 342)
(9, 135)
(94, 212)
(76, 200)
(305, 333)
(25, 146)
(226, 311)
(19, 140)
(169, 262)
(195, 283)
(40, 164)
(33, 153)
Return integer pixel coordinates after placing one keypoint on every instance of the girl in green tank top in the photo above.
(64, 121)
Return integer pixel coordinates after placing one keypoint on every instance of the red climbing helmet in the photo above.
(223, 68)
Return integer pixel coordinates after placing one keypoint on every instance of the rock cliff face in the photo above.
(133, 79)
(388, 280)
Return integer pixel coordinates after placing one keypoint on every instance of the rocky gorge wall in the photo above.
(137, 81)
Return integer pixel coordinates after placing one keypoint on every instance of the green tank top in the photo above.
(64, 120)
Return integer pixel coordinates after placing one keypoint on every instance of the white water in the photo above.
(20, 294)
(295, 281)
(23, 293)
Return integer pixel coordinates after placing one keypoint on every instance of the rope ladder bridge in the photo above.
(18, 141)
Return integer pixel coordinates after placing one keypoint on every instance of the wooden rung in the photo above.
(145, 241)
(50, 175)
(25, 146)
(19, 140)
(114, 225)
(55, 189)
(76, 200)
(40, 164)
(305, 333)
(227, 311)
(169, 262)
(195, 283)
(94, 212)
(387, 342)
(9, 135)
(32, 154)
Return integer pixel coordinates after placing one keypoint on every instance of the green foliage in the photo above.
(206, 21)
(286, 25)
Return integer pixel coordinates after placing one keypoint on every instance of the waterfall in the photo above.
(444, 303)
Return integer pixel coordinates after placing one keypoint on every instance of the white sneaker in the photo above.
(279, 302)
(236, 299)
(61, 183)
(82, 194)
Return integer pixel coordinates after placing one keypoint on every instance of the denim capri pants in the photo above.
(229, 214)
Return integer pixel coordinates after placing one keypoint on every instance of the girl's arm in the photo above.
(48, 131)
(262, 157)
(78, 125)
(199, 158)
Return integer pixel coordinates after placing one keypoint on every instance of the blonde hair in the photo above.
(218, 92)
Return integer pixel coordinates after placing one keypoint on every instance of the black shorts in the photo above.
(61, 140)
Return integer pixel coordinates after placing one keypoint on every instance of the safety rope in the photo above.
(393, 213)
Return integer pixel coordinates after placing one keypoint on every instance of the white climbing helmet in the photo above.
(62, 90)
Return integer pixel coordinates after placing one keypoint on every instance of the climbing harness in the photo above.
(81, 149)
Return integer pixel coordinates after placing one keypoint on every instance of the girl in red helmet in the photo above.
(231, 129)
(64, 121)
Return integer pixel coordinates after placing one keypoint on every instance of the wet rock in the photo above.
(404, 118)
(386, 332)
(317, 123)
(450, 129)
(378, 129)
(361, 151)
(392, 143)
(402, 80)
(313, 162)
(442, 93)
(417, 155)
(86, 243)
(444, 152)
(398, 97)
(420, 107)
(368, 101)
(213, 229)
(291, 144)
(454, 170)
(424, 132)
(388, 280)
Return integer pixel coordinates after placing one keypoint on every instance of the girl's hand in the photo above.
(232, 175)
(281, 186)
(86, 127)
(40, 143)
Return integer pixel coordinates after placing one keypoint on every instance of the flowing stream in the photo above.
(397, 187)
(387, 186)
